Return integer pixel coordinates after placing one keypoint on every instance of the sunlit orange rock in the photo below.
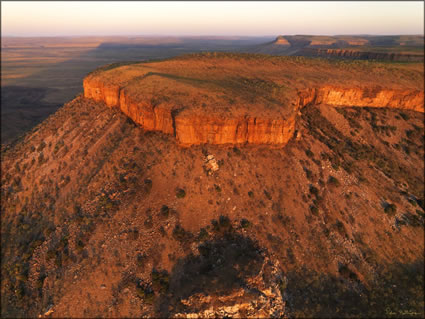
(137, 97)
(364, 97)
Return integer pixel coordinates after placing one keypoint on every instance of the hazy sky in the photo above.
(38, 18)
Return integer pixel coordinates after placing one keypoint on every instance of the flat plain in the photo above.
(38, 75)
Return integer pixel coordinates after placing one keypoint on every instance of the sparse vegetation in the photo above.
(390, 209)
(180, 193)
(160, 281)
(268, 195)
(217, 188)
(245, 223)
(181, 235)
(314, 210)
(146, 293)
(333, 181)
(164, 212)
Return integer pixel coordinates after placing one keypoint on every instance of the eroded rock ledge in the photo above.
(362, 55)
(194, 129)
(237, 99)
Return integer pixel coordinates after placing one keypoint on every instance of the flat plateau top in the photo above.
(239, 83)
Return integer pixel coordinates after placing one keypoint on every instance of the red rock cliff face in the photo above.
(97, 91)
(362, 55)
(192, 129)
(150, 117)
(198, 130)
(363, 97)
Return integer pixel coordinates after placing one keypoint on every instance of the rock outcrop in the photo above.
(281, 41)
(190, 129)
(363, 97)
(199, 130)
(231, 100)
(361, 55)
(262, 298)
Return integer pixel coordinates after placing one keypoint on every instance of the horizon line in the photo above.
(208, 35)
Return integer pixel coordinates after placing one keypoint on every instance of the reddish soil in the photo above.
(92, 205)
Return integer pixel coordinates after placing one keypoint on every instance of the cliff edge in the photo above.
(236, 99)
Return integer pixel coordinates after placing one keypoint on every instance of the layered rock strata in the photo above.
(191, 128)
(362, 55)
(363, 97)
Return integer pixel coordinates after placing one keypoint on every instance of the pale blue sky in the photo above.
(38, 18)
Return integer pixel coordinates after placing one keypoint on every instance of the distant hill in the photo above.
(406, 48)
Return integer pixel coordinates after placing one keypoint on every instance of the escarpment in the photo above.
(362, 55)
(189, 128)
(210, 103)
(363, 97)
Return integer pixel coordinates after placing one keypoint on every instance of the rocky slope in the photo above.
(383, 48)
(210, 126)
(101, 218)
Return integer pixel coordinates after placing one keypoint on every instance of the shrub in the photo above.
(217, 188)
(148, 185)
(164, 212)
(404, 116)
(79, 245)
(314, 210)
(314, 191)
(58, 146)
(224, 221)
(333, 181)
(309, 153)
(203, 234)
(41, 146)
(340, 227)
(223, 225)
(148, 222)
(268, 195)
(347, 272)
(216, 226)
(145, 292)
(390, 209)
(245, 223)
(251, 194)
(41, 158)
(160, 280)
(180, 193)
(181, 235)
(412, 220)
(106, 203)
(308, 173)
